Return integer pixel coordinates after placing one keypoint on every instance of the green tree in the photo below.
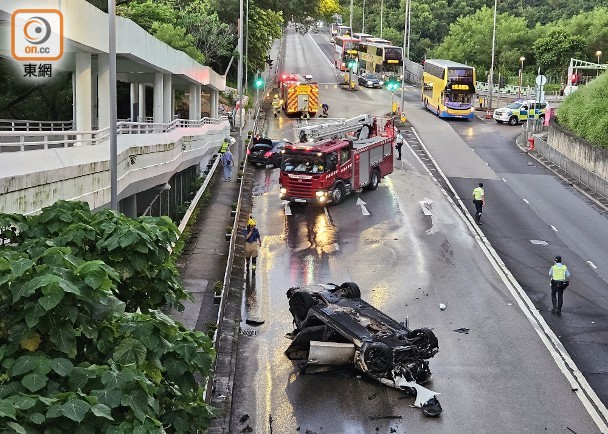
(148, 12)
(554, 50)
(264, 27)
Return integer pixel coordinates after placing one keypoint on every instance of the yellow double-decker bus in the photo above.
(448, 88)
(383, 59)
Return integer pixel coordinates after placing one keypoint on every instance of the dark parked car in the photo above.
(335, 327)
(265, 152)
(370, 80)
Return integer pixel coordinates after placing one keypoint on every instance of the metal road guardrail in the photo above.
(21, 141)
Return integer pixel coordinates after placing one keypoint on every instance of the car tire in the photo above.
(338, 194)
(513, 120)
(350, 290)
(374, 180)
(425, 339)
(377, 357)
(300, 303)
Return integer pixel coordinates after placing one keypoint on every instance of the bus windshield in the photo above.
(460, 75)
(303, 163)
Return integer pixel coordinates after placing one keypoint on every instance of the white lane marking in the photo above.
(287, 209)
(554, 228)
(526, 200)
(362, 204)
(336, 246)
(504, 180)
(591, 264)
(578, 383)
(539, 242)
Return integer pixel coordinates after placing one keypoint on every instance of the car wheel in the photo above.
(374, 180)
(377, 357)
(338, 194)
(350, 290)
(300, 303)
(513, 120)
(425, 340)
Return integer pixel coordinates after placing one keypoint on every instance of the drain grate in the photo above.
(249, 332)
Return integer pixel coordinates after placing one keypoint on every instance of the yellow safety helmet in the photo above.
(276, 95)
(251, 222)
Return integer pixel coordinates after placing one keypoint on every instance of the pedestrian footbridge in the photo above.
(42, 162)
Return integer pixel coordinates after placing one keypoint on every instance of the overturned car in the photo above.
(335, 327)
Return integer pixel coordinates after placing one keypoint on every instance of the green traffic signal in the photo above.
(392, 85)
(259, 82)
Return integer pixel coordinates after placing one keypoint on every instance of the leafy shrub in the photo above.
(72, 357)
(136, 249)
(584, 112)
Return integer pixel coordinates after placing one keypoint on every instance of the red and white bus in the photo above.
(345, 49)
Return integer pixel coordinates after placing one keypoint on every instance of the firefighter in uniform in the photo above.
(559, 275)
(304, 110)
(276, 104)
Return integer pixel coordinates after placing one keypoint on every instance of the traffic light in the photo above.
(258, 81)
(392, 85)
(351, 63)
(501, 82)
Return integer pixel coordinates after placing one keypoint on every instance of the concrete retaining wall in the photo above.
(583, 160)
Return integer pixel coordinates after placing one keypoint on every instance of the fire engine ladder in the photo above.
(334, 129)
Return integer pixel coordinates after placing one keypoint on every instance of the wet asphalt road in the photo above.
(497, 378)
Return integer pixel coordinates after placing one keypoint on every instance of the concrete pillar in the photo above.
(192, 103)
(94, 102)
(129, 206)
(158, 98)
(82, 94)
(142, 102)
(133, 99)
(198, 101)
(103, 90)
(167, 98)
(214, 101)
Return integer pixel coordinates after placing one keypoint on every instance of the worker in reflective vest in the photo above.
(479, 200)
(559, 275)
(276, 104)
(224, 147)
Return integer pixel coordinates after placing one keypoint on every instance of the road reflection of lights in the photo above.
(470, 132)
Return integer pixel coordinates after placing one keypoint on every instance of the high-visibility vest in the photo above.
(224, 147)
(276, 102)
(478, 193)
(559, 271)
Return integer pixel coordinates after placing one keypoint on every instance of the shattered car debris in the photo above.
(335, 327)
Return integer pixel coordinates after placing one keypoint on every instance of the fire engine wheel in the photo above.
(337, 196)
(377, 357)
(374, 180)
(513, 120)
(350, 290)
(300, 303)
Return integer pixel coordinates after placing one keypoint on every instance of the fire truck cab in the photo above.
(351, 155)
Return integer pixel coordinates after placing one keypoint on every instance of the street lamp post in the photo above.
(491, 78)
(598, 53)
(406, 49)
(240, 110)
(113, 109)
(381, 14)
(363, 25)
(521, 75)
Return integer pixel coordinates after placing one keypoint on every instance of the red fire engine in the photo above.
(334, 159)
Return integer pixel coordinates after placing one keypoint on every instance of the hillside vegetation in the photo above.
(585, 112)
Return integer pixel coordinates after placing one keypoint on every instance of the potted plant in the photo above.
(228, 232)
(239, 175)
(249, 133)
(217, 292)
(233, 210)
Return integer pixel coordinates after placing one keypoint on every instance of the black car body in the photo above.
(370, 80)
(335, 327)
(265, 152)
